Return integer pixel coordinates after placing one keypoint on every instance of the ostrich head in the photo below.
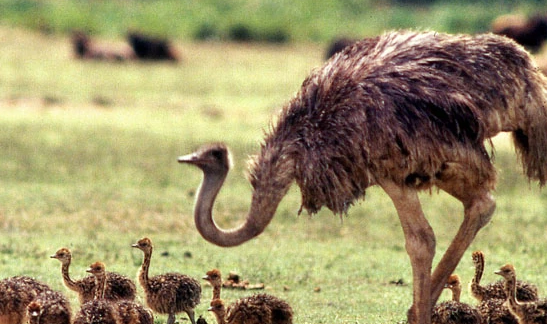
(271, 178)
(144, 244)
(213, 276)
(507, 272)
(216, 306)
(34, 310)
(453, 282)
(63, 255)
(97, 269)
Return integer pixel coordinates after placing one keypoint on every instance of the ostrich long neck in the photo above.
(66, 277)
(100, 286)
(220, 315)
(511, 292)
(143, 273)
(216, 290)
(271, 182)
(456, 293)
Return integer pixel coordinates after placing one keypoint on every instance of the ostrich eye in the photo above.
(217, 154)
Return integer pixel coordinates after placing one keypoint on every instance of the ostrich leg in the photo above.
(479, 208)
(420, 246)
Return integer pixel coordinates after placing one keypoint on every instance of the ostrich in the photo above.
(256, 309)
(453, 311)
(118, 287)
(525, 290)
(525, 312)
(168, 293)
(406, 111)
(280, 312)
(15, 294)
(49, 307)
(128, 311)
(215, 279)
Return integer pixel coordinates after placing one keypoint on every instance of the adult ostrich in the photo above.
(406, 111)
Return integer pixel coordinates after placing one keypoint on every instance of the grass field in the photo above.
(89, 162)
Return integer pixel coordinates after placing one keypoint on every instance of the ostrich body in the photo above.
(97, 311)
(454, 311)
(15, 294)
(256, 309)
(214, 277)
(495, 311)
(406, 111)
(168, 293)
(530, 312)
(262, 307)
(118, 287)
(525, 291)
(49, 307)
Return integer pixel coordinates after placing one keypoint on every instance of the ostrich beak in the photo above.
(498, 272)
(53, 256)
(135, 245)
(188, 158)
(88, 270)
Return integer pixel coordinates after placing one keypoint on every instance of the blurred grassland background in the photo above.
(88, 151)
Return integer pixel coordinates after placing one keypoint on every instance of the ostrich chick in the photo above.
(49, 307)
(525, 291)
(256, 309)
(454, 311)
(118, 287)
(215, 279)
(168, 293)
(530, 312)
(128, 311)
(15, 294)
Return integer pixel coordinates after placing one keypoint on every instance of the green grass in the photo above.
(89, 162)
(259, 20)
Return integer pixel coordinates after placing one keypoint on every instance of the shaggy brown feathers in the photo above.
(530, 312)
(454, 311)
(168, 293)
(495, 290)
(407, 111)
(402, 106)
(118, 287)
(103, 311)
(256, 309)
(15, 294)
(49, 307)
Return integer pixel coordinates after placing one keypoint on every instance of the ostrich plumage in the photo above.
(49, 307)
(102, 310)
(454, 311)
(168, 293)
(118, 287)
(15, 295)
(407, 111)
(530, 312)
(256, 309)
(525, 291)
